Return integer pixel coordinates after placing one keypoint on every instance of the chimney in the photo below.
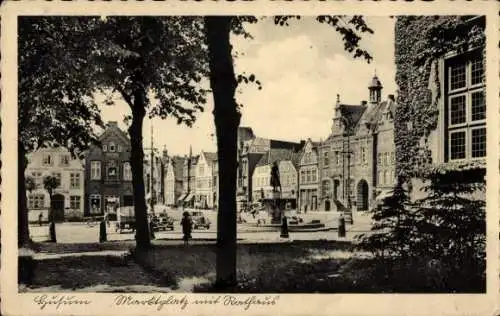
(112, 123)
(391, 97)
(364, 103)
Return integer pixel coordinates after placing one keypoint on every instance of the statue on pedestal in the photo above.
(275, 183)
(275, 177)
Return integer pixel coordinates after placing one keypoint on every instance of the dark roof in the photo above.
(280, 144)
(278, 154)
(210, 157)
(375, 113)
(352, 113)
(375, 83)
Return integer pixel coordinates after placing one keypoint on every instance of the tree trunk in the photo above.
(227, 120)
(23, 234)
(137, 166)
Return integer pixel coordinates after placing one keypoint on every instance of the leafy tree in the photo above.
(54, 102)
(155, 64)
(223, 82)
(30, 184)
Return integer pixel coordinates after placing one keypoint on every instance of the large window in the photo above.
(326, 159)
(95, 170)
(47, 160)
(466, 108)
(36, 201)
(75, 202)
(74, 180)
(64, 160)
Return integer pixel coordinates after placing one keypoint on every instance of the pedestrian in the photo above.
(187, 225)
(284, 227)
(40, 217)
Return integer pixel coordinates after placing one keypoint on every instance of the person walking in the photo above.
(40, 218)
(187, 225)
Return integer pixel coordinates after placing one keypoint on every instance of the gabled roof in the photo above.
(210, 157)
(113, 127)
(375, 114)
(352, 113)
(277, 154)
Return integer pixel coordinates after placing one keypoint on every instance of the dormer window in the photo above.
(119, 148)
(104, 148)
(112, 147)
(47, 160)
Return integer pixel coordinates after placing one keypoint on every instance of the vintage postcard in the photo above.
(258, 157)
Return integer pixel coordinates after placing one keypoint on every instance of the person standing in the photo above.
(187, 225)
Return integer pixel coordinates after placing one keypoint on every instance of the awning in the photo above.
(181, 197)
(189, 197)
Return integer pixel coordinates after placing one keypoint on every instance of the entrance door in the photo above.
(57, 207)
(336, 186)
(327, 205)
(362, 202)
(111, 204)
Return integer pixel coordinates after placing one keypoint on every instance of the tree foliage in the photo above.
(30, 184)
(50, 183)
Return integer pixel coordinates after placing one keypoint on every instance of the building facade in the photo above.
(173, 176)
(108, 175)
(67, 199)
(189, 180)
(455, 83)
(204, 197)
(153, 176)
(309, 177)
(252, 152)
(356, 162)
(287, 161)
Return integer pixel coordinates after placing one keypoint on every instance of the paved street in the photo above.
(82, 233)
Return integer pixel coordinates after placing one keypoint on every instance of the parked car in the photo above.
(163, 222)
(200, 220)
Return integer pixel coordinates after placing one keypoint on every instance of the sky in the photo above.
(302, 68)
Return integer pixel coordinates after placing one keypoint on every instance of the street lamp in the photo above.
(348, 152)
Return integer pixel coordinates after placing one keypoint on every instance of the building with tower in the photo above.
(356, 163)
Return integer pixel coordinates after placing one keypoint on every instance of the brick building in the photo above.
(108, 175)
(308, 177)
(189, 180)
(356, 162)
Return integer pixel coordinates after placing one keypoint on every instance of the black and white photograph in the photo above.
(246, 157)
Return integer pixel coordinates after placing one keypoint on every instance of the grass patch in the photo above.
(73, 273)
(308, 267)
